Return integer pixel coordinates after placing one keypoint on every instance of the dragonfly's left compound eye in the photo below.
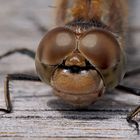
(100, 48)
(56, 45)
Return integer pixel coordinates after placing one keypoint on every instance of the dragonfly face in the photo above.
(79, 65)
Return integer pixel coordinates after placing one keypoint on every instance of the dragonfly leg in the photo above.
(130, 118)
(24, 51)
(131, 90)
(40, 27)
(135, 91)
(9, 78)
(132, 72)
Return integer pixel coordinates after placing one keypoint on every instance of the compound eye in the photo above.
(56, 45)
(100, 48)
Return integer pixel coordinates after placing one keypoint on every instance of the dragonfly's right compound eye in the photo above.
(100, 48)
(56, 45)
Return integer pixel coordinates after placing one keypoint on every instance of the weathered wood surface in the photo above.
(38, 114)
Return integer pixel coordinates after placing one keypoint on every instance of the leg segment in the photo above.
(9, 78)
(131, 90)
(130, 117)
(41, 28)
(61, 10)
(24, 51)
(132, 73)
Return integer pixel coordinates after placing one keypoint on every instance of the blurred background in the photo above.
(19, 21)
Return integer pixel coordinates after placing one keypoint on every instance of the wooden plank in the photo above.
(38, 113)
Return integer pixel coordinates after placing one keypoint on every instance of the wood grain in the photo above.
(37, 113)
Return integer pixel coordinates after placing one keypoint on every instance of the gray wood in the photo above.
(37, 113)
(40, 115)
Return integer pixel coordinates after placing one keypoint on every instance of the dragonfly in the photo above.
(83, 57)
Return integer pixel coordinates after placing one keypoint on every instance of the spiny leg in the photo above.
(135, 91)
(130, 117)
(130, 90)
(40, 27)
(132, 73)
(24, 51)
(9, 78)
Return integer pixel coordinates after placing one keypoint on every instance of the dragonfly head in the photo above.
(73, 63)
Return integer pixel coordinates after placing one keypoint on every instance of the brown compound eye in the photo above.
(56, 45)
(100, 48)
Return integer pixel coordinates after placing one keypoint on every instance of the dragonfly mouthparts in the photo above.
(75, 68)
